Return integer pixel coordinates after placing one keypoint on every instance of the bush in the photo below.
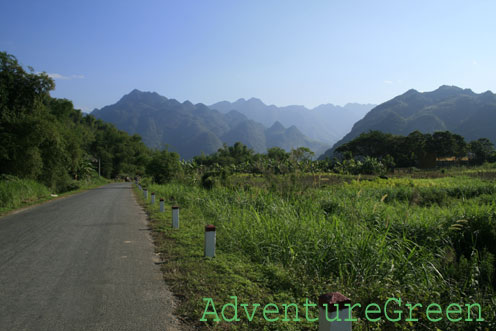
(209, 180)
(163, 166)
(369, 166)
(372, 166)
(15, 192)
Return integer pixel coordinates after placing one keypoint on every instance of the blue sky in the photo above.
(284, 52)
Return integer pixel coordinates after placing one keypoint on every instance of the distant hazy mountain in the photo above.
(449, 108)
(192, 129)
(327, 123)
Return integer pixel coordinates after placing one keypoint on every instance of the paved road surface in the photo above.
(85, 262)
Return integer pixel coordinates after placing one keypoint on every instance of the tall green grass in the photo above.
(16, 192)
(424, 240)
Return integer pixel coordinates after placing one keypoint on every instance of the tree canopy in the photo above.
(417, 148)
(46, 139)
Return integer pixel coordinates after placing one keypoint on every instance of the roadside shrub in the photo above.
(14, 192)
(209, 180)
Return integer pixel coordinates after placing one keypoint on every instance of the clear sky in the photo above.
(283, 52)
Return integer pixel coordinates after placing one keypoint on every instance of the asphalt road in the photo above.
(85, 262)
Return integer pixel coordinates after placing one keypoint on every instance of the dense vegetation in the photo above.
(371, 153)
(15, 192)
(288, 229)
(47, 140)
(281, 240)
(451, 108)
(417, 149)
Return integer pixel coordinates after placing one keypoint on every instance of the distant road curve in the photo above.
(85, 262)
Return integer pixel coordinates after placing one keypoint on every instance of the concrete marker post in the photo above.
(162, 203)
(145, 193)
(332, 299)
(209, 247)
(175, 217)
(153, 198)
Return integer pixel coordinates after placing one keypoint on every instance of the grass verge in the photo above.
(421, 240)
(18, 193)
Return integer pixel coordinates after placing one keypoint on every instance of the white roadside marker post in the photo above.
(145, 193)
(175, 217)
(153, 198)
(209, 240)
(162, 205)
(327, 306)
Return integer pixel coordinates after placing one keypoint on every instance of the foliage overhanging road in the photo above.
(85, 262)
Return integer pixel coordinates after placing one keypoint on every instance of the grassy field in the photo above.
(281, 241)
(17, 193)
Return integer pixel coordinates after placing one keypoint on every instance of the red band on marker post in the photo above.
(209, 228)
(162, 205)
(175, 207)
(331, 299)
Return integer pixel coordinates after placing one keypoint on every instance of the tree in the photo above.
(46, 139)
(163, 166)
(24, 121)
(481, 150)
(446, 144)
(21, 92)
(412, 150)
(238, 153)
(227, 156)
(372, 143)
(302, 154)
(277, 154)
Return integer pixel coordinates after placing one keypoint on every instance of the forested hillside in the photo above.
(46, 139)
(191, 129)
(417, 149)
(449, 108)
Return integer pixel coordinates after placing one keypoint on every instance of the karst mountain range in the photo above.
(191, 129)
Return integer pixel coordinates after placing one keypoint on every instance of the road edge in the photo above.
(40, 202)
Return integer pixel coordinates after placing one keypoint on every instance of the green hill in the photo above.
(449, 108)
(194, 129)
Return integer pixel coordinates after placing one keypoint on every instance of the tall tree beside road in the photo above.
(46, 139)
